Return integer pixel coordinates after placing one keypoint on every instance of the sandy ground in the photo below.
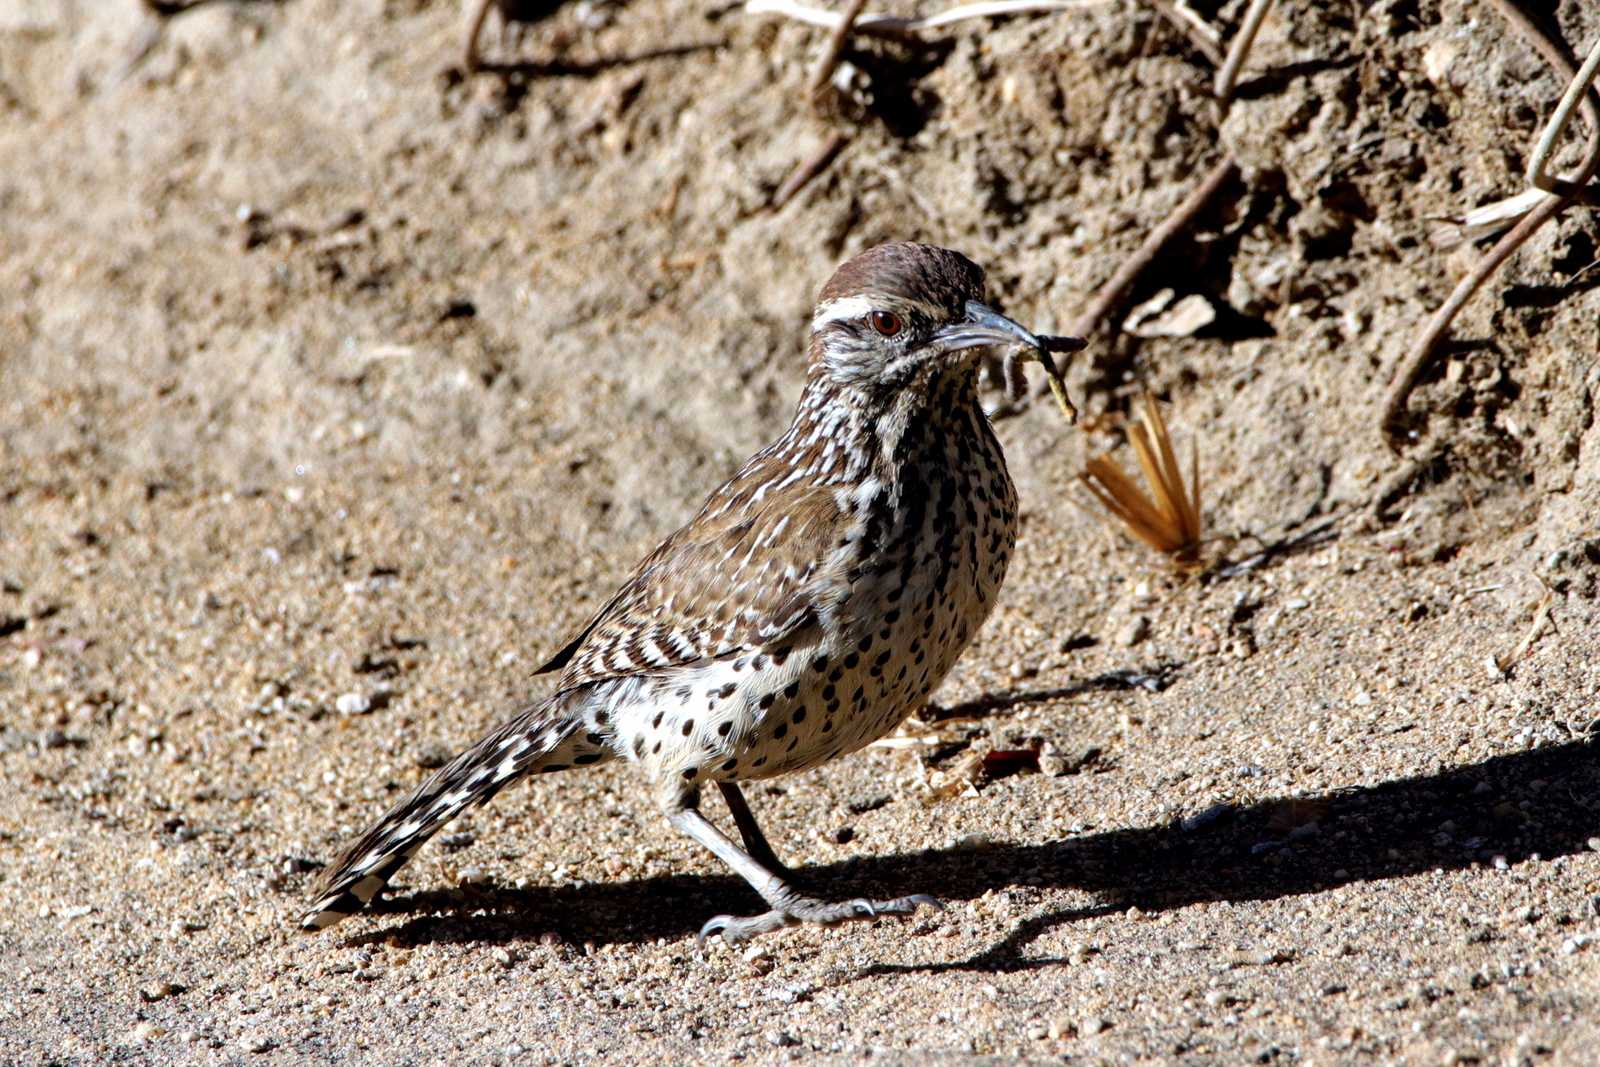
(339, 388)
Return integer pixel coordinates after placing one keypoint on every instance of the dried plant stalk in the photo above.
(1168, 519)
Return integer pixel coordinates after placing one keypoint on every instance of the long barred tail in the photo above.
(544, 737)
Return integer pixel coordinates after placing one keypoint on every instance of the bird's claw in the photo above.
(735, 929)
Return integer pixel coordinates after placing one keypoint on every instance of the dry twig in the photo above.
(898, 27)
(835, 49)
(1169, 520)
(1541, 616)
(470, 58)
(808, 168)
(1111, 293)
(1493, 217)
(1199, 32)
(1239, 49)
(1421, 353)
(1539, 175)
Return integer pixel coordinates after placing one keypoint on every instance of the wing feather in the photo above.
(749, 573)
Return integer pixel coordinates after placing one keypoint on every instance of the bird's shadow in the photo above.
(1153, 679)
(1541, 803)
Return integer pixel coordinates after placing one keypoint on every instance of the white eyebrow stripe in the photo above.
(844, 307)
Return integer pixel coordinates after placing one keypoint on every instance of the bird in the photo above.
(812, 604)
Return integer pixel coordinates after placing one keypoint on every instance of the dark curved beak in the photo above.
(983, 326)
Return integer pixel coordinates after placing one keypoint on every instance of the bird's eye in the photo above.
(886, 323)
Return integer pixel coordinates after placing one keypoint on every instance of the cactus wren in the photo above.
(815, 601)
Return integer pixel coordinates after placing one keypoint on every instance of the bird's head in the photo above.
(903, 315)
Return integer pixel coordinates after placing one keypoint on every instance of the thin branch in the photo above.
(1200, 34)
(835, 49)
(1538, 166)
(1417, 360)
(1240, 49)
(1399, 481)
(1421, 353)
(809, 168)
(1493, 217)
(999, 8)
(897, 27)
(1116, 288)
(1541, 616)
(471, 58)
(1109, 295)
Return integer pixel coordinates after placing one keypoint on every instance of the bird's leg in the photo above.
(755, 842)
(788, 907)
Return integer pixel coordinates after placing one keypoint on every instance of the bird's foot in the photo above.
(735, 929)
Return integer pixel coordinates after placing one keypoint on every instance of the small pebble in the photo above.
(1091, 1026)
(1051, 762)
(1024, 669)
(148, 1031)
(1200, 820)
(780, 1039)
(256, 1043)
(159, 991)
(1135, 630)
(353, 704)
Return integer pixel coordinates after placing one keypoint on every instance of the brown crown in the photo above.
(931, 275)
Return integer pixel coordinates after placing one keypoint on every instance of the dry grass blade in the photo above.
(1168, 518)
